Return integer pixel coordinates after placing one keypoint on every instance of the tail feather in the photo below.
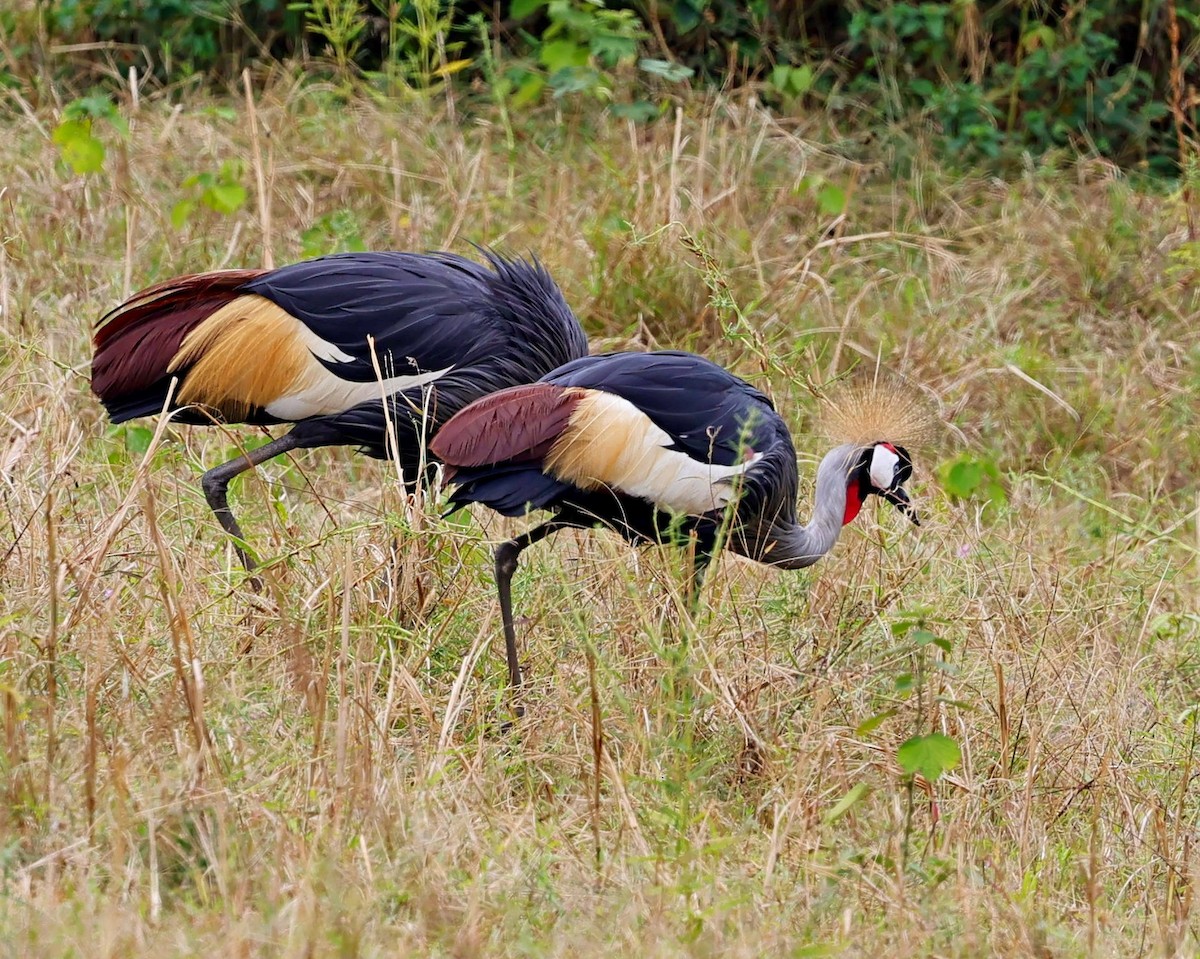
(135, 342)
(512, 489)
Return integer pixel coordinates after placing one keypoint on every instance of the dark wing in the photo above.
(711, 415)
(427, 312)
(516, 425)
(424, 312)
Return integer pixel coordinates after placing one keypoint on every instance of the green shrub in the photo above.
(991, 81)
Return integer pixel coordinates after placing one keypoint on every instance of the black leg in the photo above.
(507, 555)
(216, 488)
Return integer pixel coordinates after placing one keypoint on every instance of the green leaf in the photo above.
(963, 478)
(85, 155)
(675, 72)
(562, 54)
(528, 92)
(181, 212)
(686, 15)
(793, 81)
(520, 9)
(874, 722)
(929, 755)
(801, 79)
(613, 50)
(81, 151)
(225, 197)
(831, 200)
(575, 80)
(138, 438)
(97, 106)
(923, 637)
(640, 111)
(842, 806)
(968, 477)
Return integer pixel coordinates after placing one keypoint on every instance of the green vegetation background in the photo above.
(988, 80)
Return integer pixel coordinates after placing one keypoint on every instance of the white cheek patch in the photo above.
(883, 467)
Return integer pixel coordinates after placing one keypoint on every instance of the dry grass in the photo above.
(187, 768)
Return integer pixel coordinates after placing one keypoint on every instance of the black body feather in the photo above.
(496, 328)
(710, 414)
(494, 325)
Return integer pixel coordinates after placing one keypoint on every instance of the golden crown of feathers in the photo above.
(878, 408)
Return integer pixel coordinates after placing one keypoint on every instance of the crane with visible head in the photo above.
(373, 350)
(638, 441)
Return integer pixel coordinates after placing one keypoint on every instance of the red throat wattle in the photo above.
(854, 501)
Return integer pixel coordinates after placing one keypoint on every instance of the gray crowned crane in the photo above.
(373, 350)
(654, 444)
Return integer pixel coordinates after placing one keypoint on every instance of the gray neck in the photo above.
(795, 546)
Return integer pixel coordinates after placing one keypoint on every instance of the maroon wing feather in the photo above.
(516, 425)
(135, 342)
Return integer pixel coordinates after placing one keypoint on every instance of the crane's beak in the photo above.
(898, 497)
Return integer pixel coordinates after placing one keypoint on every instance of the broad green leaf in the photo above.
(575, 80)
(686, 15)
(929, 755)
(923, 637)
(85, 155)
(81, 151)
(968, 477)
(562, 54)
(613, 50)
(831, 200)
(138, 438)
(800, 79)
(225, 197)
(69, 130)
(963, 478)
(181, 212)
